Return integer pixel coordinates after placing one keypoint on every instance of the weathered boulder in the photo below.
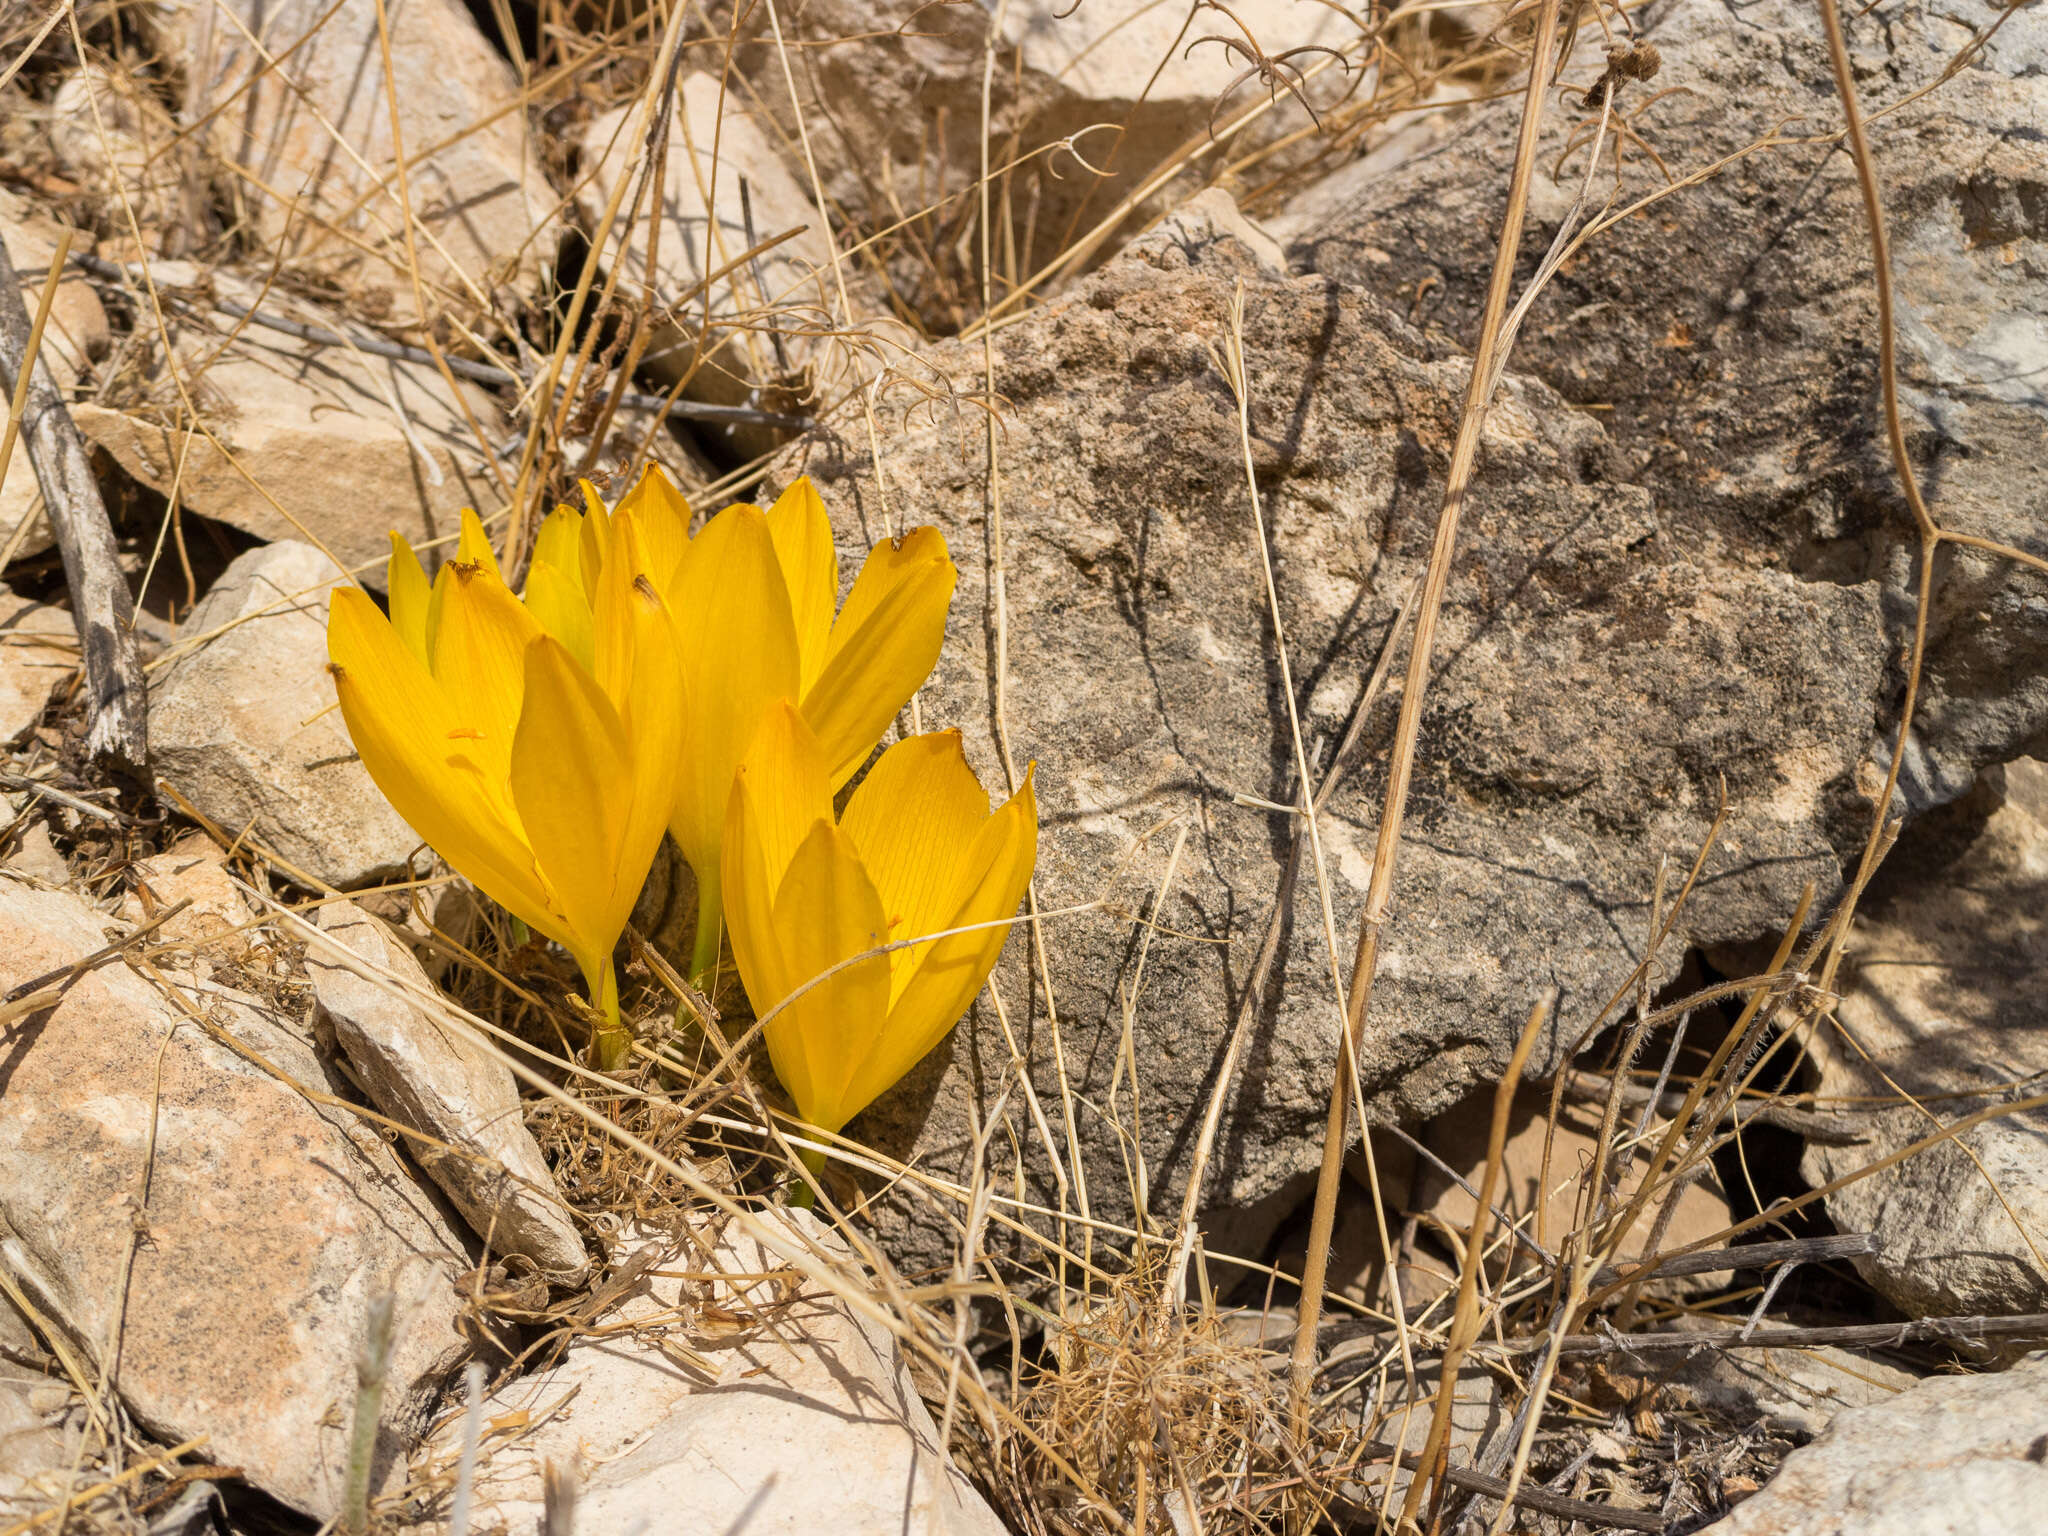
(1598, 672)
(1459, 1137)
(1790, 1391)
(38, 649)
(34, 1465)
(303, 441)
(294, 96)
(244, 726)
(727, 1393)
(110, 132)
(771, 316)
(1132, 88)
(1954, 1456)
(1942, 999)
(214, 921)
(165, 1194)
(424, 1074)
(1727, 334)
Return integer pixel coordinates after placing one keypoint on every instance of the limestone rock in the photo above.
(1955, 1456)
(1791, 1391)
(1119, 74)
(34, 1468)
(38, 649)
(1942, 989)
(310, 121)
(244, 727)
(1597, 673)
(1476, 1422)
(758, 1402)
(192, 870)
(35, 856)
(1459, 1136)
(265, 1228)
(425, 1075)
(326, 444)
(1728, 337)
(788, 295)
(109, 132)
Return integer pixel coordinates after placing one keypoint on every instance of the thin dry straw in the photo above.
(1401, 767)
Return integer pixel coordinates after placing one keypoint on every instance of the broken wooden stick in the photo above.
(117, 727)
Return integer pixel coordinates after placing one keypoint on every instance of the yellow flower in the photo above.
(753, 596)
(917, 852)
(543, 775)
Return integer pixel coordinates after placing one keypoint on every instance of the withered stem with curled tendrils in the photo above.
(1270, 69)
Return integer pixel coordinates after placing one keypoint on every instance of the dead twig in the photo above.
(1714, 1261)
(1542, 1500)
(1918, 1330)
(117, 729)
(1401, 766)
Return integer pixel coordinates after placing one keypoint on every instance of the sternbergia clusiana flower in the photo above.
(917, 852)
(542, 770)
(754, 595)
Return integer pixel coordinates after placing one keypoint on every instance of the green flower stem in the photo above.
(611, 1044)
(710, 928)
(802, 1194)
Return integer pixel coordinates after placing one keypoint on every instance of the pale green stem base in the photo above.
(802, 1194)
(611, 1043)
(710, 929)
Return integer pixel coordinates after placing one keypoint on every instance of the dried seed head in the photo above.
(1640, 62)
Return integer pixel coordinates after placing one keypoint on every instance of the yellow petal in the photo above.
(595, 537)
(613, 607)
(652, 707)
(810, 567)
(405, 580)
(738, 649)
(480, 646)
(413, 745)
(827, 912)
(912, 819)
(786, 773)
(882, 648)
(571, 778)
(474, 546)
(750, 919)
(560, 543)
(993, 874)
(664, 517)
(555, 599)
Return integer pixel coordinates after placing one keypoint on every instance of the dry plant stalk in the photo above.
(1402, 761)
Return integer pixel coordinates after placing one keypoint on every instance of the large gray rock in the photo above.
(244, 726)
(1598, 671)
(1728, 338)
(1133, 88)
(294, 96)
(38, 650)
(1790, 1391)
(1942, 999)
(771, 318)
(162, 1191)
(727, 1393)
(302, 441)
(1954, 1456)
(424, 1074)
(35, 1464)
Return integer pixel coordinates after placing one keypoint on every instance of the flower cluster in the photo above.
(714, 687)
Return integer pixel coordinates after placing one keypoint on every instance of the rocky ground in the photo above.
(312, 1216)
